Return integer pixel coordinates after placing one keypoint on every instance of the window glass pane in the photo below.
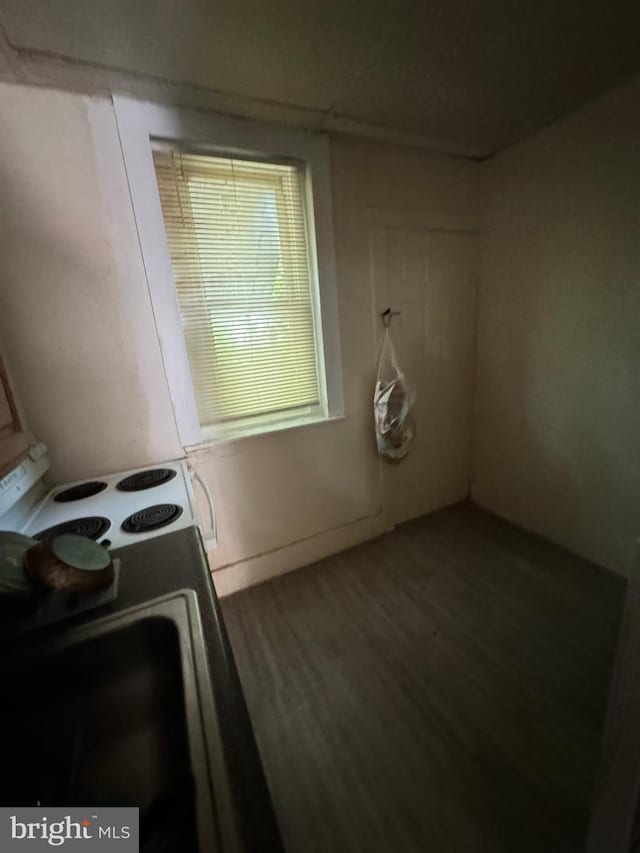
(238, 243)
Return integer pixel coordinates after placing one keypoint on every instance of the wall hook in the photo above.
(387, 316)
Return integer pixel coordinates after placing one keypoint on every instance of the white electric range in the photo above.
(116, 510)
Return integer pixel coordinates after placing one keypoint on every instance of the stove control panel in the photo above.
(18, 482)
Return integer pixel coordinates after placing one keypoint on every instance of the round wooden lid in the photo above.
(80, 552)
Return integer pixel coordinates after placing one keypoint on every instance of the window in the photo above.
(237, 236)
(234, 221)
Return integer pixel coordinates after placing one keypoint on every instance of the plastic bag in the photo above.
(392, 404)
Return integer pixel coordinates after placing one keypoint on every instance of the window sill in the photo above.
(225, 435)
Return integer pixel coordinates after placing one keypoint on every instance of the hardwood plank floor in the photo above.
(440, 689)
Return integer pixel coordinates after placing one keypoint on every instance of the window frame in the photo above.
(140, 124)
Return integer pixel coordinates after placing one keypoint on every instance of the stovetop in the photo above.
(119, 509)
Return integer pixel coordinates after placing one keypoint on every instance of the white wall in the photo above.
(75, 315)
(77, 325)
(557, 423)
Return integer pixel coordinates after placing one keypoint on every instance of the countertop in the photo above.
(160, 566)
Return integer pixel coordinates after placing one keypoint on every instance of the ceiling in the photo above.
(465, 76)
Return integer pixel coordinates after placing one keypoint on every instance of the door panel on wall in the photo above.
(429, 275)
(14, 441)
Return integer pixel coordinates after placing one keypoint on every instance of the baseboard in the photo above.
(258, 569)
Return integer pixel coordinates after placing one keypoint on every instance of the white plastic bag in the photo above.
(392, 404)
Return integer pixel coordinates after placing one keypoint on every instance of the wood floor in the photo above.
(440, 689)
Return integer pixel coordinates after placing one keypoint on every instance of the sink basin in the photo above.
(120, 712)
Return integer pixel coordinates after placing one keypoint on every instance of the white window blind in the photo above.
(237, 237)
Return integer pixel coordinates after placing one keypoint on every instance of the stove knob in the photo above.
(36, 451)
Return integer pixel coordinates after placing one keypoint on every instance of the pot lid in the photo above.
(80, 552)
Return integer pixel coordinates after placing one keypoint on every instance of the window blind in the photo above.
(237, 238)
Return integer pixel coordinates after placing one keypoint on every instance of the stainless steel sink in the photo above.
(120, 712)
